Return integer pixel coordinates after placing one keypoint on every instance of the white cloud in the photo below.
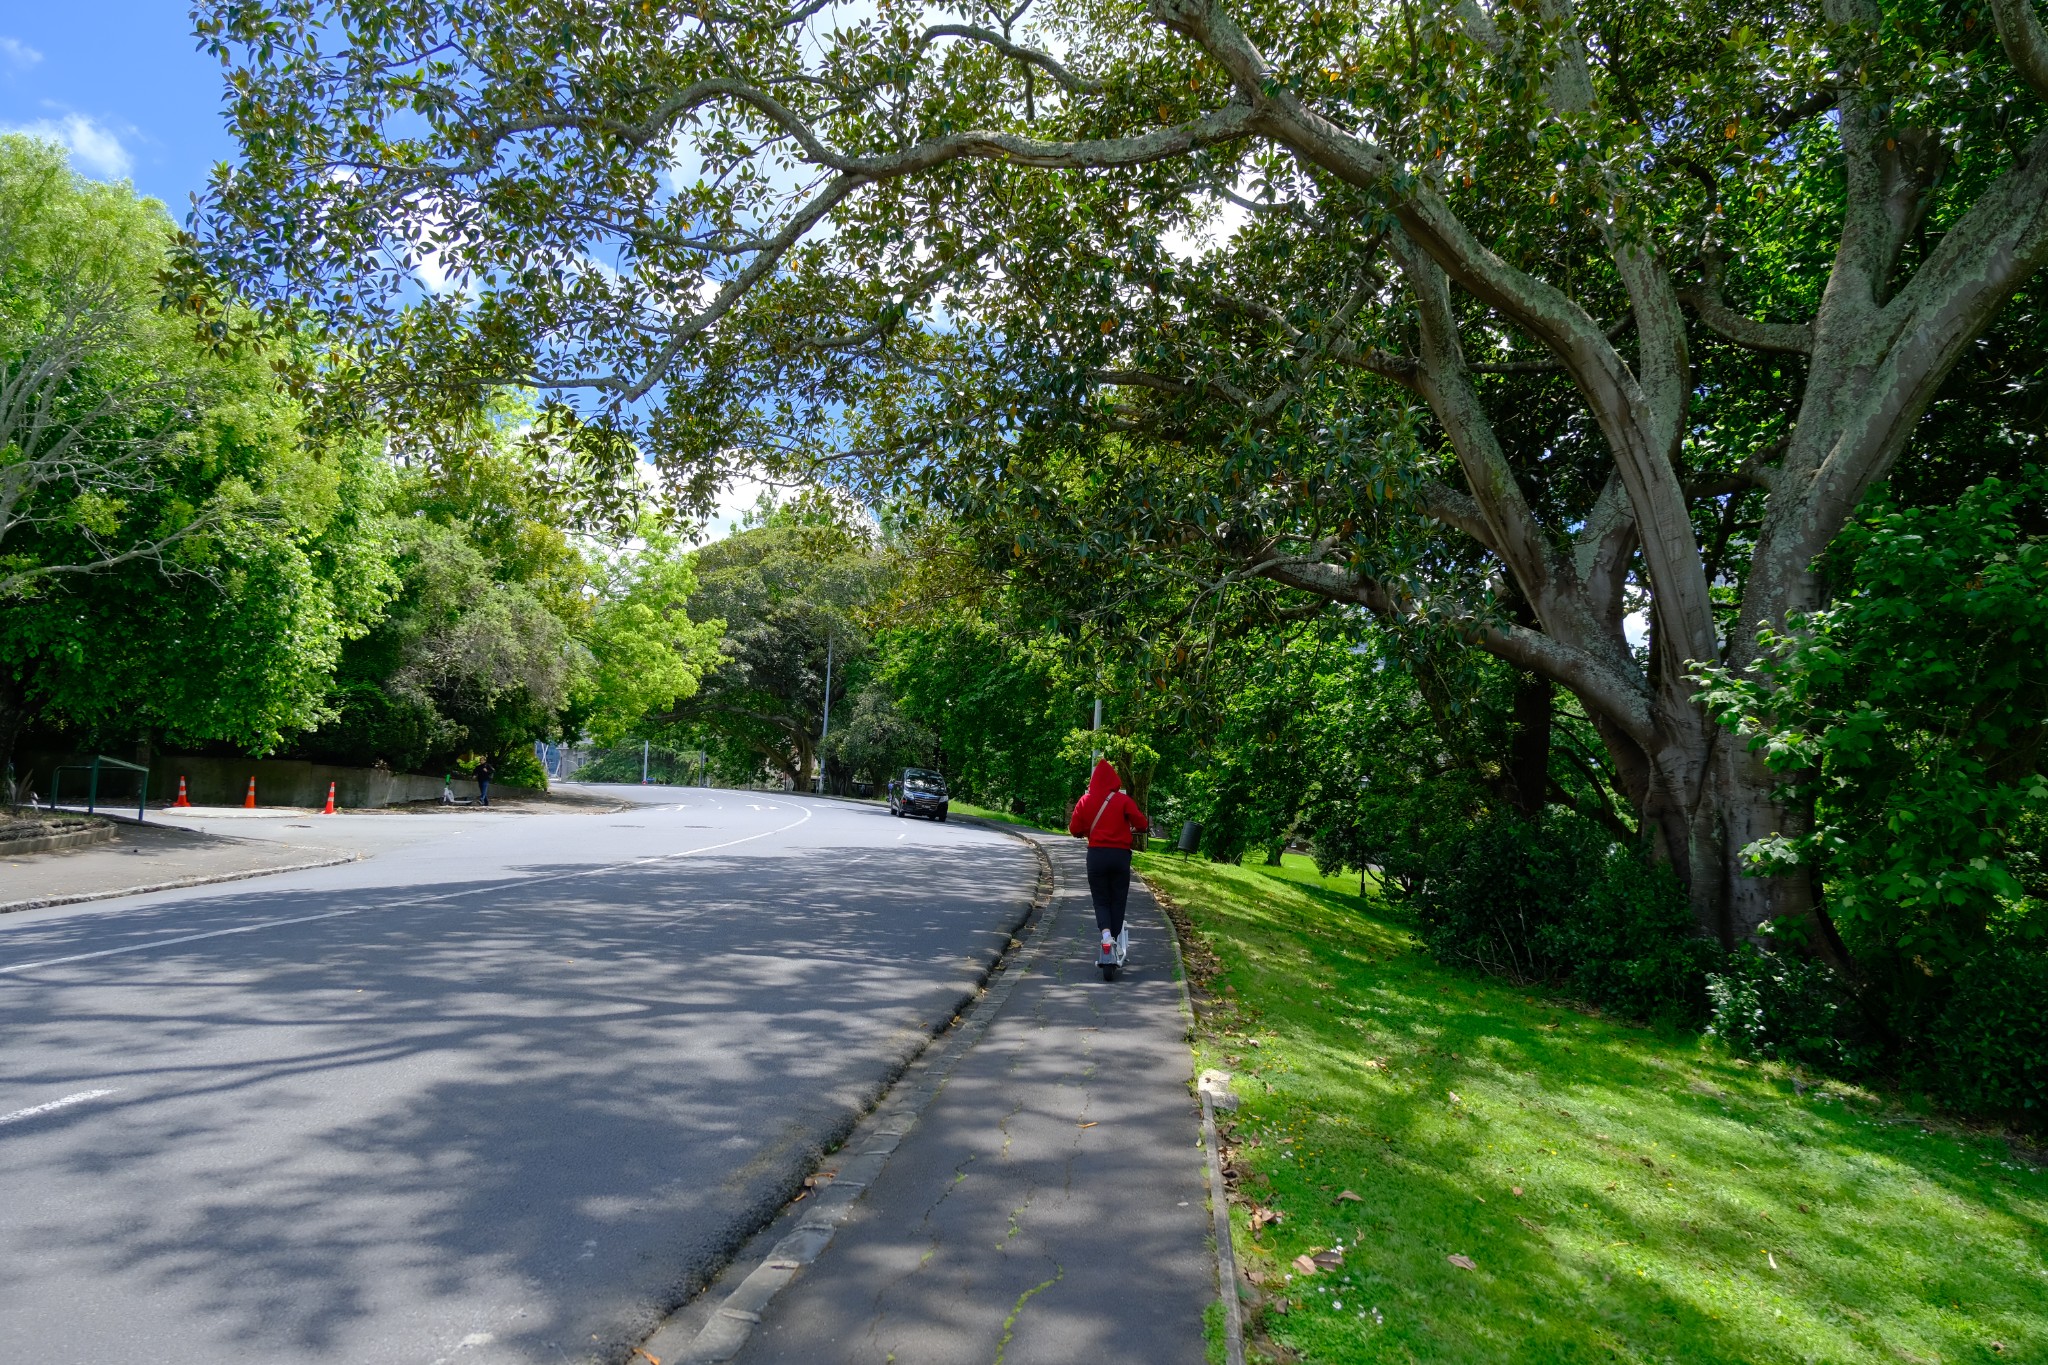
(736, 500)
(93, 146)
(17, 54)
(1214, 226)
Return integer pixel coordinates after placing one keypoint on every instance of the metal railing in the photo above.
(92, 783)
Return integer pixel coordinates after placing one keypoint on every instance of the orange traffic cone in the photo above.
(183, 801)
(249, 801)
(330, 800)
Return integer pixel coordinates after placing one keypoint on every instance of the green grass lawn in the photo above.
(958, 807)
(1622, 1194)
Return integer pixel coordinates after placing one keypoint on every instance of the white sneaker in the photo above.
(1109, 952)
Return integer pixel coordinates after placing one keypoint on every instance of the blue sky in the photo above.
(120, 83)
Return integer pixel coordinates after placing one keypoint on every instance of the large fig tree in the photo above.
(739, 228)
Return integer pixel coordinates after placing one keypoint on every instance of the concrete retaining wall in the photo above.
(279, 782)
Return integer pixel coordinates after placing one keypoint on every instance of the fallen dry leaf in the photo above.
(1455, 1099)
(1517, 1189)
(1263, 1216)
(1463, 1262)
(1305, 1264)
(1354, 1198)
(1091, 1123)
(645, 1356)
(1772, 1259)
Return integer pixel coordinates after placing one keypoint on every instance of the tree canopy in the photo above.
(1612, 309)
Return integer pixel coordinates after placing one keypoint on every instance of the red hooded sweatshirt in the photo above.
(1105, 815)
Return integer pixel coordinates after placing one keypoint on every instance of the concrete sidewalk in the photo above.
(151, 857)
(1033, 1191)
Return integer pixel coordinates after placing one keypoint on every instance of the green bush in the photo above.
(1794, 1009)
(1557, 900)
(521, 768)
(1634, 945)
(1987, 1051)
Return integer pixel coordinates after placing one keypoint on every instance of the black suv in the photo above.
(920, 791)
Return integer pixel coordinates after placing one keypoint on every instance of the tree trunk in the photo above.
(1703, 798)
(806, 758)
(1529, 745)
(12, 712)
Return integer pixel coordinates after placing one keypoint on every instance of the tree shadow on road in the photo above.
(538, 1110)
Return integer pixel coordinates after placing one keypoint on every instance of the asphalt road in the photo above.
(505, 1093)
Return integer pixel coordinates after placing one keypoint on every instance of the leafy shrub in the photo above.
(1987, 1051)
(1978, 1044)
(1909, 712)
(1794, 1009)
(1634, 945)
(521, 768)
(1557, 900)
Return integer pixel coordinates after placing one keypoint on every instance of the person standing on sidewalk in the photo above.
(484, 773)
(1109, 821)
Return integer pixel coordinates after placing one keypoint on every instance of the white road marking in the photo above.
(80, 1098)
(483, 888)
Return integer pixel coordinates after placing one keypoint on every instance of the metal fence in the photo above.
(648, 763)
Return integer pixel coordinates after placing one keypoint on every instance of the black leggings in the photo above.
(1109, 882)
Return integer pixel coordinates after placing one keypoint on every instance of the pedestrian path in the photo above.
(1046, 1204)
(149, 858)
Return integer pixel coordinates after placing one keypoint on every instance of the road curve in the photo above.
(505, 1093)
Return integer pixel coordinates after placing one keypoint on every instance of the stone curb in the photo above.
(1212, 1149)
(872, 1141)
(206, 879)
(50, 843)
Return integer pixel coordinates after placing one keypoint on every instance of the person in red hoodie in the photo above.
(1109, 820)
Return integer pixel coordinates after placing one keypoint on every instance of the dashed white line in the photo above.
(80, 1098)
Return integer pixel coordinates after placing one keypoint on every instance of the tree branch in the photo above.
(2026, 45)
(1598, 685)
(1705, 300)
(1044, 61)
(1511, 527)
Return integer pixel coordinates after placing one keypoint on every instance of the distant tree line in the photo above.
(193, 553)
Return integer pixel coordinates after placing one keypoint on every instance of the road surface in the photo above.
(506, 1091)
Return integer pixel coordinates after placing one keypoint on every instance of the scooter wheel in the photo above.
(1109, 971)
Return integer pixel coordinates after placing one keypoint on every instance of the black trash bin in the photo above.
(1190, 837)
